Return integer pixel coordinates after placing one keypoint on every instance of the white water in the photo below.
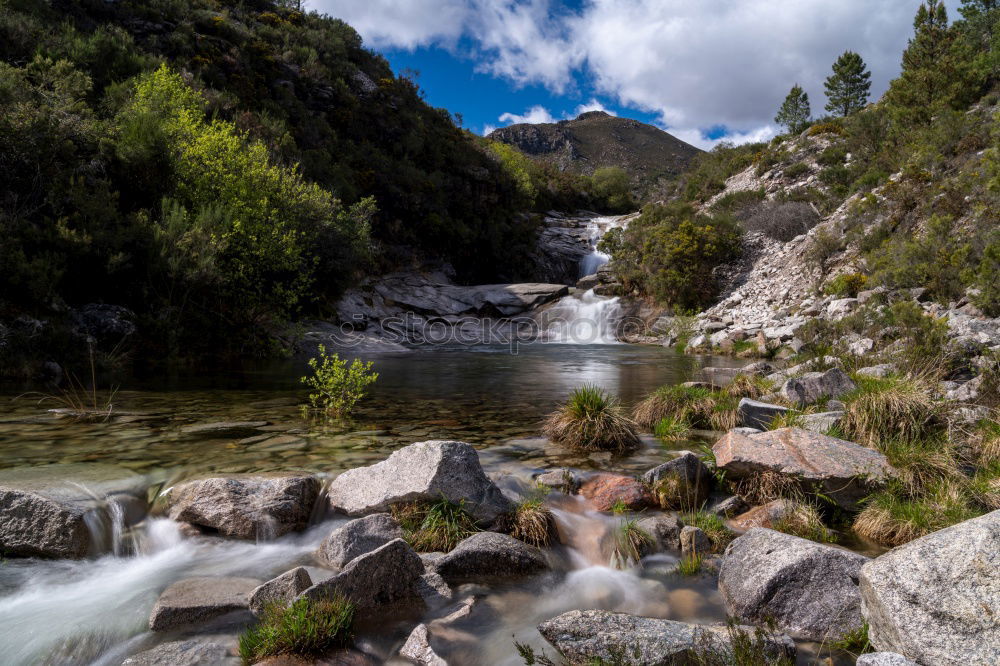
(597, 227)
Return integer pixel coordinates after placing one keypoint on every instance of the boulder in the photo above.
(195, 651)
(812, 386)
(64, 511)
(728, 506)
(358, 537)
(841, 470)
(884, 659)
(935, 600)
(604, 490)
(822, 422)
(422, 471)
(246, 506)
(665, 528)
(806, 588)
(489, 554)
(694, 541)
(758, 368)
(417, 648)
(591, 636)
(388, 575)
(562, 479)
(756, 414)
(284, 588)
(720, 376)
(766, 515)
(194, 601)
(681, 483)
(434, 590)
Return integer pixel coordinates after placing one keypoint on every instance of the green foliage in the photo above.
(794, 112)
(846, 285)
(630, 542)
(671, 428)
(795, 170)
(711, 524)
(855, 642)
(690, 565)
(745, 648)
(306, 628)
(894, 516)
(592, 419)
(336, 386)
(848, 87)
(612, 185)
(434, 526)
(708, 171)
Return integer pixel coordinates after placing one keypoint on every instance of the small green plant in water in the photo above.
(855, 642)
(307, 627)
(671, 428)
(592, 419)
(690, 565)
(630, 542)
(336, 386)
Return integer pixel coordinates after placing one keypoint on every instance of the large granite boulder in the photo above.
(194, 601)
(936, 600)
(681, 483)
(807, 589)
(884, 659)
(606, 490)
(812, 386)
(422, 471)
(358, 537)
(490, 554)
(756, 414)
(841, 470)
(388, 575)
(246, 506)
(284, 588)
(65, 511)
(587, 636)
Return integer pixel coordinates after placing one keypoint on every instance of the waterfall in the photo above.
(597, 227)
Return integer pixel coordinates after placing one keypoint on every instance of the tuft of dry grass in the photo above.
(762, 487)
(697, 406)
(891, 408)
(805, 521)
(531, 522)
(748, 386)
(892, 517)
(592, 420)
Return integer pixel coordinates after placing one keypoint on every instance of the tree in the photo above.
(848, 87)
(794, 112)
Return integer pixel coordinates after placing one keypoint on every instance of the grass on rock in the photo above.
(434, 526)
(630, 542)
(711, 524)
(698, 406)
(805, 521)
(306, 627)
(592, 419)
(531, 522)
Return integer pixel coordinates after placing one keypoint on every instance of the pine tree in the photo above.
(848, 87)
(794, 112)
(925, 74)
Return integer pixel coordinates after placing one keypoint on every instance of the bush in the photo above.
(781, 221)
(307, 628)
(592, 420)
(846, 285)
(337, 387)
(795, 170)
(612, 185)
(831, 127)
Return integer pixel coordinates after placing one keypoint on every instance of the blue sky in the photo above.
(705, 70)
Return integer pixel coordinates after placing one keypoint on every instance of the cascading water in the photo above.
(597, 227)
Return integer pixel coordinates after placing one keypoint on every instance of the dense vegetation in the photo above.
(221, 168)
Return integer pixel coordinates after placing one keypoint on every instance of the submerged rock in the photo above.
(490, 554)
(844, 471)
(422, 471)
(584, 637)
(936, 600)
(388, 575)
(605, 490)
(358, 537)
(284, 588)
(199, 600)
(246, 506)
(806, 588)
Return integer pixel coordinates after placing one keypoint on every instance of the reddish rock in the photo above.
(764, 516)
(603, 490)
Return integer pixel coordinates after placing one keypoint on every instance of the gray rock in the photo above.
(198, 600)
(422, 471)
(285, 588)
(727, 507)
(562, 479)
(195, 651)
(434, 590)
(841, 307)
(417, 648)
(388, 575)
(967, 391)
(844, 471)
(756, 414)
(488, 554)
(881, 370)
(935, 599)
(682, 482)
(665, 528)
(745, 430)
(64, 511)
(861, 346)
(884, 659)
(758, 368)
(813, 386)
(766, 515)
(246, 506)
(808, 589)
(720, 376)
(358, 537)
(694, 541)
(822, 422)
(584, 637)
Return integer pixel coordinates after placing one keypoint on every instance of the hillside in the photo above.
(596, 139)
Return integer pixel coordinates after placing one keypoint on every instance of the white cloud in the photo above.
(488, 129)
(593, 105)
(534, 115)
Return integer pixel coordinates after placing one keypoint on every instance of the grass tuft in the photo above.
(690, 565)
(592, 420)
(899, 408)
(670, 428)
(306, 627)
(805, 521)
(630, 542)
(894, 517)
(744, 649)
(762, 487)
(697, 406)
(711, 524)
(434, 526)
(531, 522)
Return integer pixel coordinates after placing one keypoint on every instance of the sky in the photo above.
(704, 70)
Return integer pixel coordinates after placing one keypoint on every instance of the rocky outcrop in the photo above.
(587, 636)
(424, 471)
(490, 555)
(605, 490)
(358, 537)
(386, 576)
(680, 483)
(935, 600)
(285, 588)
(844, 471)
(808, 589)
(246, 506)
(195, 601)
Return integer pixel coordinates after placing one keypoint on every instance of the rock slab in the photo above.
(605, 490)
(198, 600)
(681, 483)
(490, 554)
(757, 414)
(388, 575)
(813, 386)
(284, 588)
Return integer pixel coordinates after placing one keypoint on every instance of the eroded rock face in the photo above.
(388, 575)
(808, 589)
(198, 600)
(422, 471)
(284, 588)
(586, 636)
(358, 537)
(682, 482)
(246, 506)
(604, 490)
(812, 386)
(844, 471)
(935, 600)
(490, 554)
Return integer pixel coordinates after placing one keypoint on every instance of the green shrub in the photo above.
(846, 285)
(671, 428)
(832, 156)
(690, 565)
(613, 186)
(831, 127)
(307, 628)
(795, 170)
(336, 386)
(592, 419)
